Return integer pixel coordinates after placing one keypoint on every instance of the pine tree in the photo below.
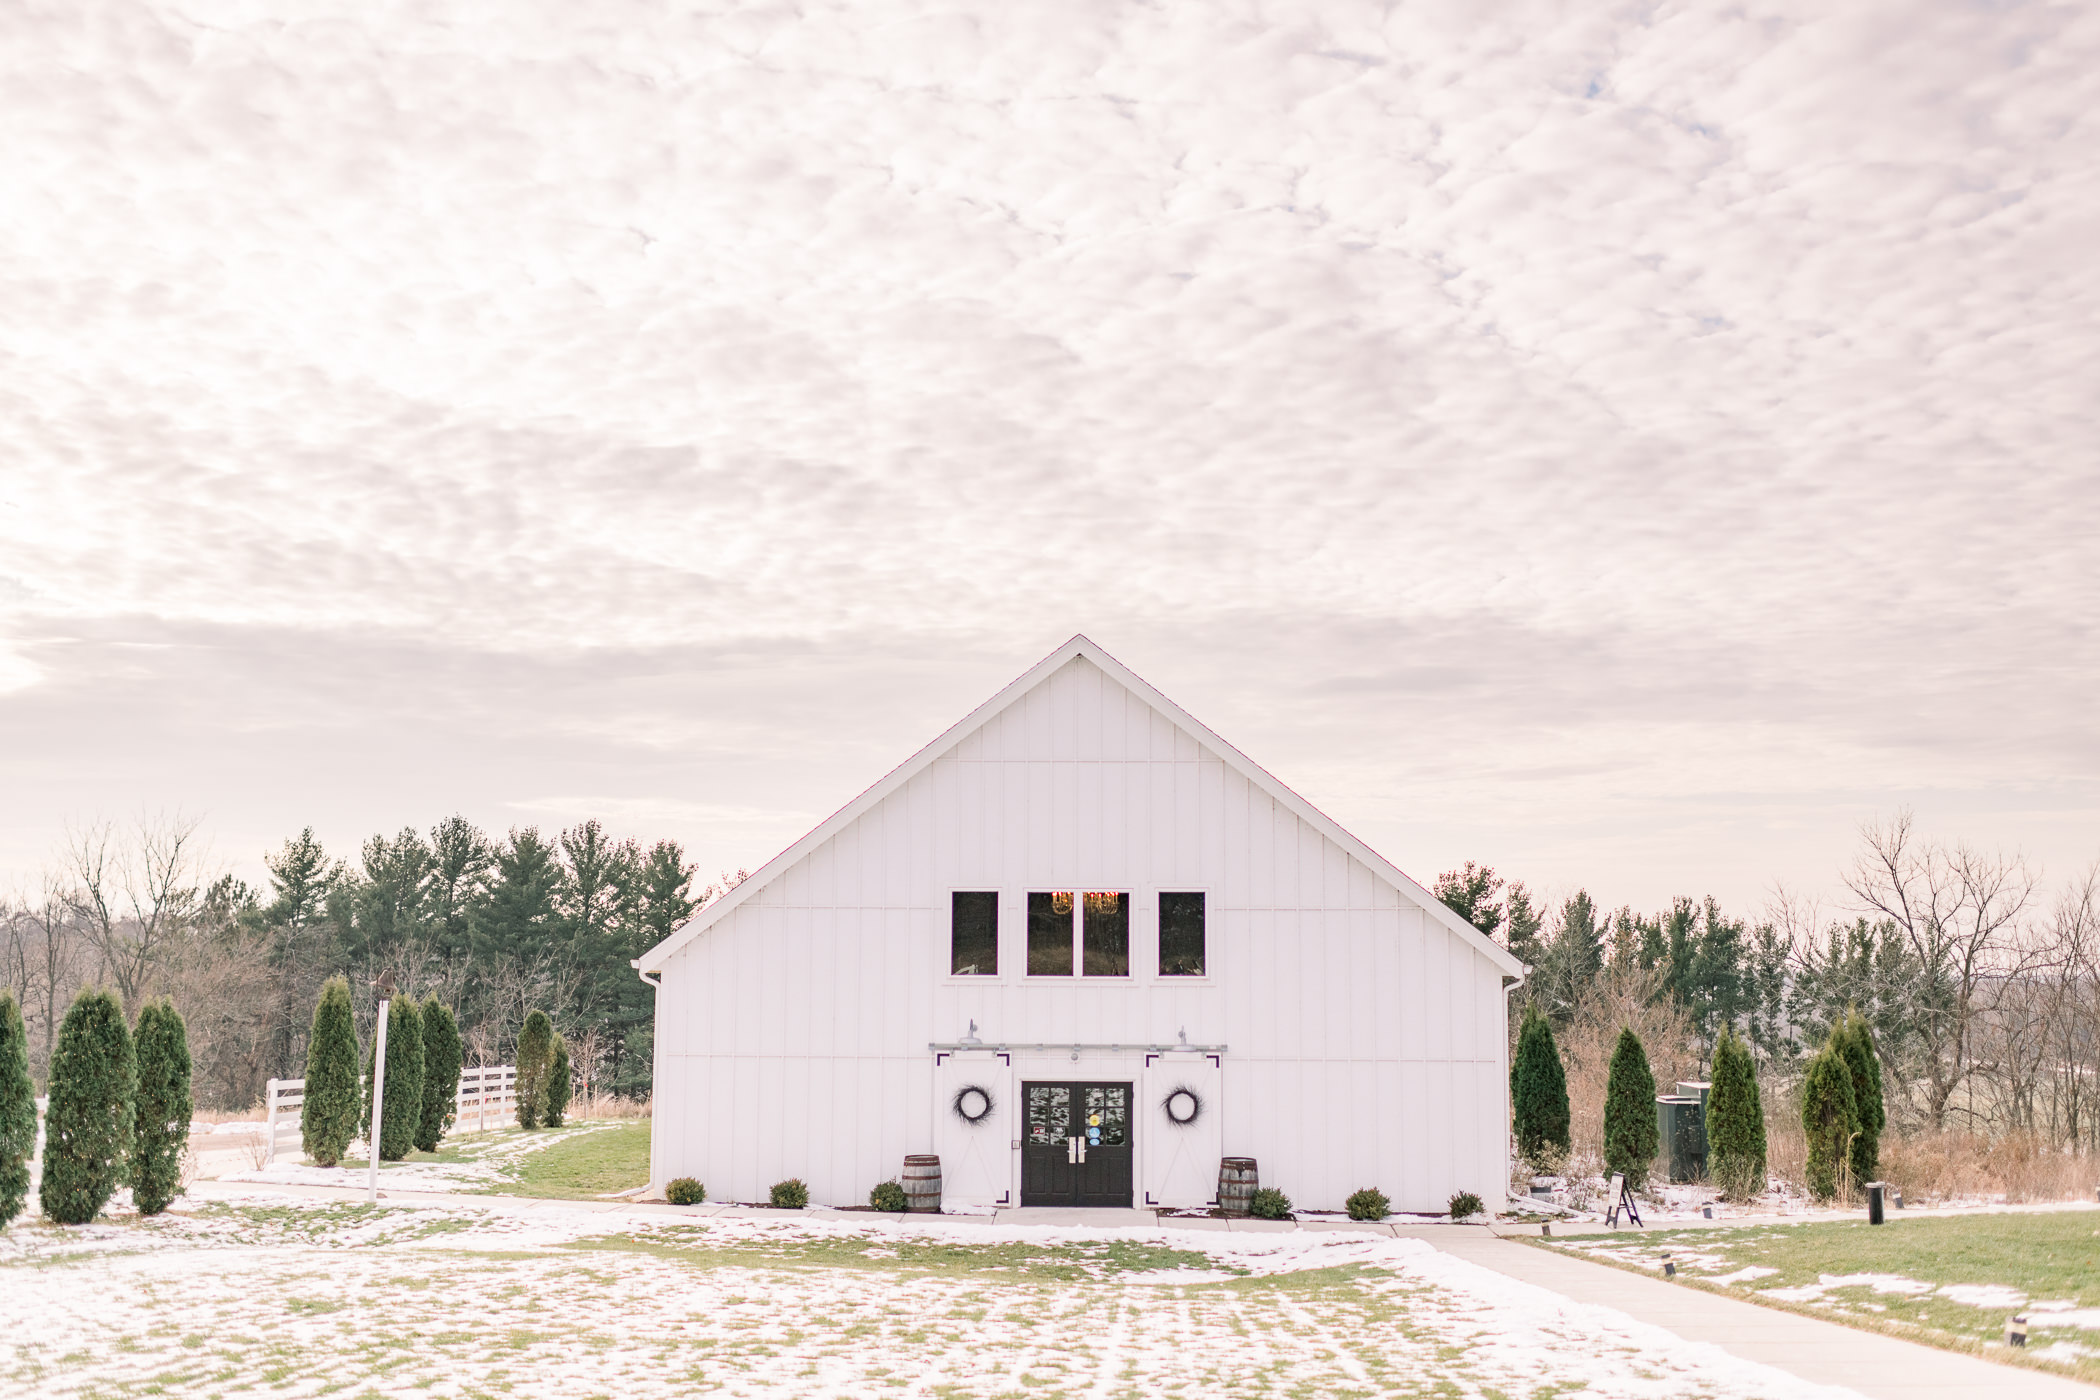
(1630, 1132)
(1735, 1121)
(535, 1059)
(17, 1110)
(442, 1054)
(403, 1106)
(1830, 1117)
(329, 1118)
(559, 1086)
(1538, 1094)
(88, 1126)
(1857, 1041)
(163, 1119)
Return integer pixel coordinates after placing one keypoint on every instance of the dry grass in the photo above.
(2018, 1166)
(596, 1106)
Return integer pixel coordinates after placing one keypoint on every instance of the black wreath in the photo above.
(1183, 1106)
(981, 1114)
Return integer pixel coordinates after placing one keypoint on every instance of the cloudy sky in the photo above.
(1630, 444)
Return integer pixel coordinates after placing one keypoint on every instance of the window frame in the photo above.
(1210, 945)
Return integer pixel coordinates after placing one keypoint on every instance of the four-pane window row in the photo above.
(1076, 931)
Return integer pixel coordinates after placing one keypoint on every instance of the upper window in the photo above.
(1107, 935)
(1094, 925)
(973, 934)
(1181, 935)
(1050, 934)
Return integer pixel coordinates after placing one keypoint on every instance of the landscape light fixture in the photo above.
(2016, 1330)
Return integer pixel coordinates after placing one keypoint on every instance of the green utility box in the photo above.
(1680, 1120)
(1689, 1088)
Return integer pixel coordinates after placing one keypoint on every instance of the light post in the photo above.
(385, 986)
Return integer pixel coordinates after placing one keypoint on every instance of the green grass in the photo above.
(584, 1165)
(2047, 1256)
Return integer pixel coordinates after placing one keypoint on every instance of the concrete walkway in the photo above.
(1884, 1368)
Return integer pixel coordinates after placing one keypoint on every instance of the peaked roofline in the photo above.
(1080, 645)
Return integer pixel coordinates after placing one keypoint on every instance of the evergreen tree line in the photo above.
(1981, 995)
(492, 928)
(119, 1111)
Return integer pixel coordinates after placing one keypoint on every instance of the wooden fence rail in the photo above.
(488, 1097)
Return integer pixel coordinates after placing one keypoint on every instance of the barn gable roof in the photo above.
(1080, 646)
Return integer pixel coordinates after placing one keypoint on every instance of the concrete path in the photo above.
(1883, 1368)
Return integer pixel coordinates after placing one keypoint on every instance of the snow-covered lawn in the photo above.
(294, 1297)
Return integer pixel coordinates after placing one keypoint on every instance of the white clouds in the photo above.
(1716, 366)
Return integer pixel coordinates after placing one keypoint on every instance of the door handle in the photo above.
(1072, 1149)
(1082, 1147)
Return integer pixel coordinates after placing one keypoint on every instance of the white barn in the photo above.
(1081, 947)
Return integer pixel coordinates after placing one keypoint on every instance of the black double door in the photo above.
(1075, 1145)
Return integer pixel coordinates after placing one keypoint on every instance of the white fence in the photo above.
(488, 1097)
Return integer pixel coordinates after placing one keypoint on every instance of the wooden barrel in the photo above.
(1237, 1179)
(922, 1182)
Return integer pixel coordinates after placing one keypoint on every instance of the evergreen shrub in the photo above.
(1368, 1204)
(1270, 1204)
(1831, 1119)
(442, 1054)
(333, 1104)
(535, 1058)
(888, 1195)
(1870, 1113)
(17, 1110)
(1538, 1095)
(685, 1192)
(791, 1194)
(1631, 1136)
(1465, 1205)
(162, 1045)
(1735, 1121)
(559, 1085)
(404, 1080)
(89, 1125)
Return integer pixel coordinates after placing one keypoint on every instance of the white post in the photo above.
(270, 1124)
(378, 1109)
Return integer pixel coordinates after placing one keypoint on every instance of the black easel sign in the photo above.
(1621, 1200)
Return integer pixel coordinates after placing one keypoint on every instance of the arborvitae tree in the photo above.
(88, 1126)
(1856, 1039)
(1630, 1132)
(535, 1059)
(404, 1081)
(558, 1085)
(17, 1110)
(441, 1056)
(329, 1118)
(1735, 1121)
(1538, 1094)
(163, 1127)
(1830, 1117)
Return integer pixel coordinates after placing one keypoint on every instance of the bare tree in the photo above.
(134, 901)
(1957, 910)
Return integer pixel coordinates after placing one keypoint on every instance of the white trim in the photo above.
(1080, 646)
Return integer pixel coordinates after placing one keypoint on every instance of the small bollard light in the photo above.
(1707, 1211)
(1896, 1198)
(1546, 1231)
(2016, 1330)
(1669, 1267)
(1876, 1192)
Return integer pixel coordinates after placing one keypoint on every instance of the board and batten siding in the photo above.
(1365, 1041)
